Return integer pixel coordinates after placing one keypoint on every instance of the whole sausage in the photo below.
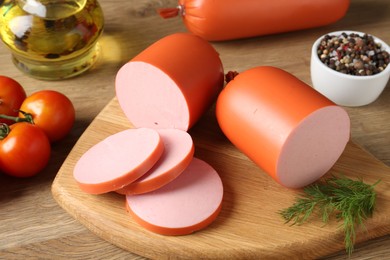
(171, 83)
(231, 19)
(291, 131)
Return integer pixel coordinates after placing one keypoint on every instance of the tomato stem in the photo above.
(27, 117)
(4, 130)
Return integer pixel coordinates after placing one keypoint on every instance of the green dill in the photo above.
(351, 201)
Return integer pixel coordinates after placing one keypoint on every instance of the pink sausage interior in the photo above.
(183, 205)
(313, 147)
(178, 153)
(118, 160)
(150, 98)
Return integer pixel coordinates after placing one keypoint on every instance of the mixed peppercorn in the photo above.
(353, 54)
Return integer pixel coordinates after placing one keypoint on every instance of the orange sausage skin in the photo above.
(263, 109)
(231, 19)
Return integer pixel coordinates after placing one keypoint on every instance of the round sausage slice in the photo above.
(171, 83)
(118, 160)
(286, 127)
(189, 203)
(178, 153)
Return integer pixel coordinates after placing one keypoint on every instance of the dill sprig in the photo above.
(351, 201)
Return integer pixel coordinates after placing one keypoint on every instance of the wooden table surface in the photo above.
(33, 225)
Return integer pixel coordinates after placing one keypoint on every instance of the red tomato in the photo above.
(12, 95)
(25, 151)
(52, 111)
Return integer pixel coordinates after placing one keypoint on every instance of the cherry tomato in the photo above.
(12, 95)
(52, 111)
(25, 151)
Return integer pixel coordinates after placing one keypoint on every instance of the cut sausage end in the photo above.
(313, 147)
(118, 160)
(178, 153)
(187, 204)
(150, 98)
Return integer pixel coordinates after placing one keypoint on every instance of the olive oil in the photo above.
(52, 39)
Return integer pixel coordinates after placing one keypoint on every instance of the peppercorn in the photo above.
(353, 54)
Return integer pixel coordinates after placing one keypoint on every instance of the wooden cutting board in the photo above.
(248, 226)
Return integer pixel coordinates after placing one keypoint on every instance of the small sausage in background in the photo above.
(220, 20)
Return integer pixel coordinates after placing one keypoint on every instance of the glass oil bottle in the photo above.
(52, 39)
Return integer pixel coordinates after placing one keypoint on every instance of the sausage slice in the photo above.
(189, 203)
(118, 160)
(178, 153)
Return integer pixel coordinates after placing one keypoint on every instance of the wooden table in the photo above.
(33, 225)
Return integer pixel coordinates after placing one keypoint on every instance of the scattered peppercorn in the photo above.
(230, 76)
(353, 54)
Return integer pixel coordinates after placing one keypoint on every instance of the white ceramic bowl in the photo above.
(344, 89)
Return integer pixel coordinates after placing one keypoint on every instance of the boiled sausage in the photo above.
(231, 19)
(171, 83)
(286, 127)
